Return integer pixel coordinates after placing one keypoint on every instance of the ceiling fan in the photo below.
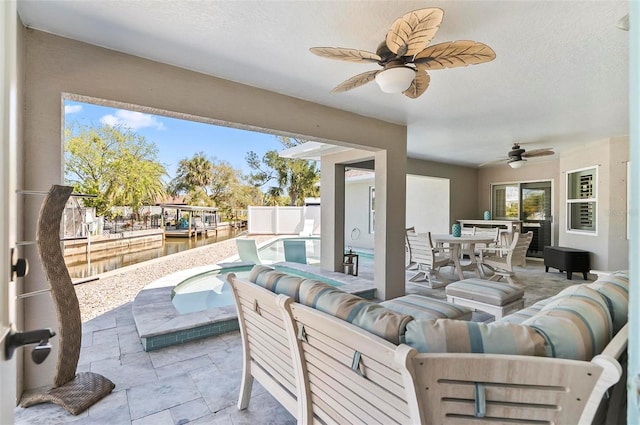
(517, 156)
(405, 57)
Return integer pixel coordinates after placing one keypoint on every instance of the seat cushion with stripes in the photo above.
(576, 323)
(485, 291)
(458, 336)
(365, 314)
(421, 307)
(524, 314)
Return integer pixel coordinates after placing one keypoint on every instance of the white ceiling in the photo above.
(560, 77)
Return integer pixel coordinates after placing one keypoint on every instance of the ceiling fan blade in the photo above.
(355, 81)
(538, 152)
(495, 161)
(418, 85)
(453, 54)
(412, 32)
(343, 54)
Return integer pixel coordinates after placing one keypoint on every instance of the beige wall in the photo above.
(533, 171)
(462, 187)
(55, 66)
(609, 246)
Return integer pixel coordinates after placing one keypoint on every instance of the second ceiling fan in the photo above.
(405, 57)
(517, 156)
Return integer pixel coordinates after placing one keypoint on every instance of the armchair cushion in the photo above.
(457, 336)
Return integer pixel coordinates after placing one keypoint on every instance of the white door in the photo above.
(8, 174)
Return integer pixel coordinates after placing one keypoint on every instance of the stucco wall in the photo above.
(533, 171)
(462, 186)
(55, 65)
(609, 245)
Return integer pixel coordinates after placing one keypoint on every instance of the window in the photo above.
(506, 201)
(581, 200)
(372, 208)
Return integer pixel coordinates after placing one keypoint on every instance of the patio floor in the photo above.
(198, 382)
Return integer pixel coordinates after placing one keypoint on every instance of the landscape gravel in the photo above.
(118, 287)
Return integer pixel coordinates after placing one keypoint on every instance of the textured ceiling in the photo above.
(560, 77)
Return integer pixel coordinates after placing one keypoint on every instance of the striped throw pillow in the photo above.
(576, 323)
(458, 336)
(275, 281)
(615, 289)
(365, 314)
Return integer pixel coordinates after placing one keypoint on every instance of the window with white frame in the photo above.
(372, 208)
(582, 197)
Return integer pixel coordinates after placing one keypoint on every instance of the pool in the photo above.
(211, 290)
(197, 303)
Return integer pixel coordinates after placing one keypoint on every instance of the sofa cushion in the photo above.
(485, 291)
(457, 336)
(421, 307)
(524, 314)
(365, 314)
(275, 281)
(615, 288)
(576, 323)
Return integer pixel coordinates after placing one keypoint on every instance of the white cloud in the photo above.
(132, 120)
(72, 109)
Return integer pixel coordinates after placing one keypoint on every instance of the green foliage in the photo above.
(213, 182)
(297, 178)
(114, 163)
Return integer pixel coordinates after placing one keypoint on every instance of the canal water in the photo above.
(86, 269)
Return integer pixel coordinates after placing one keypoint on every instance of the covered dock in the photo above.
(186, 221)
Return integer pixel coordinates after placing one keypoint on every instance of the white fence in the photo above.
(282, 220)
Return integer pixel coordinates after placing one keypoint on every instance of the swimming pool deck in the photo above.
(160, 324)
(196, 382)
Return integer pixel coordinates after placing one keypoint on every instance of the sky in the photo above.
(177, 139)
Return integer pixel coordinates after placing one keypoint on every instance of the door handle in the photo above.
(40, 337)
(19, 266)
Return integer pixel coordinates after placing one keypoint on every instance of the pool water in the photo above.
(211, 289)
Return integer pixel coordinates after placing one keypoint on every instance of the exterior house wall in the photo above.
(356, 218)
(534, 171)
(55, 66)
(427, 208)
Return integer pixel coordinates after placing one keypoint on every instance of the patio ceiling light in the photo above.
(395, 80)
(517, 164)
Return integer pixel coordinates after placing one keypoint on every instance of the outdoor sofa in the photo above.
(332, 357)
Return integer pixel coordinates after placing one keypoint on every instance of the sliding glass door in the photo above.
(529, 203)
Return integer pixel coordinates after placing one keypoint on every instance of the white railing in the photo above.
(282, 220)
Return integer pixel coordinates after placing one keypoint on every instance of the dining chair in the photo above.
(428, 259)
(514, 255)
(410, 263)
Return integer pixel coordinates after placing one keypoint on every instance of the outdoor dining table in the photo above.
(455, 242)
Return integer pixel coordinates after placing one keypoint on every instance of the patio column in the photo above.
(332, 215)
(390, 212)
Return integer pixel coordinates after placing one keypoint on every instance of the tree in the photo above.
(193, 173)
(114, 163)
(297, 178)
(212, 182)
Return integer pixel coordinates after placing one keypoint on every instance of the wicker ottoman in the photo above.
(421, 307)
(495, 298)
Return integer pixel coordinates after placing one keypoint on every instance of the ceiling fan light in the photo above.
(395, 80)
(517, 164)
